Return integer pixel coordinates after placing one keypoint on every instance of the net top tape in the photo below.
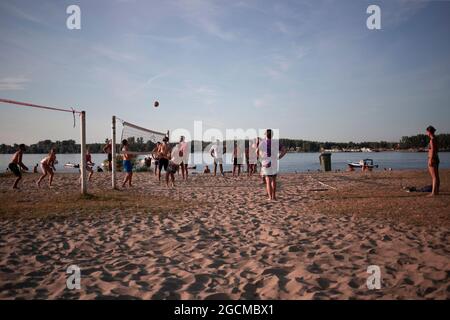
(124, 123)
(26, 104)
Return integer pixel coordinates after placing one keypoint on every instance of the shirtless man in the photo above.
(16, 164)
(164, 155)
(433, 161)
(176, 159)
(127, 165)
(252, 156)
(155, 157)
(216, 152)
(184, 154)
(237, 160)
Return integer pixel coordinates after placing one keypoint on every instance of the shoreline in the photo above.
(228, 173)
(365, 152)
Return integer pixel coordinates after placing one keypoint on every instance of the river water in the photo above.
(292, 162)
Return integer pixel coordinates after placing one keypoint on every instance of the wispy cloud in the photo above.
(208, 94)
(395, 13)
(205, 90)
(182, 40)
(113, 54)
(13, 83)
(264, 101)
(149, 82)
(279, 64)
(22, 14)
(206, 16)
(282, 27)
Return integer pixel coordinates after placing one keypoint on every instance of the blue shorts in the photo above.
(127, 166)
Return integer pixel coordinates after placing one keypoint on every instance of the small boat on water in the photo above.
(72, 165)
(76, 166)
(365, 164)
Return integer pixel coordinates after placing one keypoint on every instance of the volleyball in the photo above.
(156, 104)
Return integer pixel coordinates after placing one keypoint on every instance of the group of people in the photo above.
(261, 152)
(47, 165)
(252, 157)
(175, 159)
(170, 159)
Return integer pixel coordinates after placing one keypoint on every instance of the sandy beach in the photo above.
(219, 238)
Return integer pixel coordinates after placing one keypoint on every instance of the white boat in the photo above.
(76, 166)
(72, 165)
(363, 164)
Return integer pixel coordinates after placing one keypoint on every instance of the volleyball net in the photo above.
(74, 112)
(141, 140)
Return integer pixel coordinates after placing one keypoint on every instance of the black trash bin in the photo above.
(325, 161)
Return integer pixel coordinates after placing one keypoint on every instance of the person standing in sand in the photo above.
(216, 153)
(176, 160)
(433, 161)
(247, 159)
(127, 165)
(184, 154)
(108, 150)
(237, 160)
(252, 156)
(89, 164)
(155, 157)
(48, 167)
(164, 156)
(16, 164)
(270, 154)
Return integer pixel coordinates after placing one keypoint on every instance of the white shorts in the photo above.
(271, 171)
(218, 160)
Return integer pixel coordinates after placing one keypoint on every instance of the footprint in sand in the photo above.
(314, 268)
(168, 288)
(250, 291)
(338, 257)
(42, 258)
(323, 283)
(218, 296)
(280, 274)
(354, 283)
(199, 284)
(295, 249)
(107, 277)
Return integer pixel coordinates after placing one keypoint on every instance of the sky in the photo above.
(311, 69)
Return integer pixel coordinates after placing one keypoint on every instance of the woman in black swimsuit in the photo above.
(433, 160)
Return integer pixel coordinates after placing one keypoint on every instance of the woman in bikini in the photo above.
(48, 167)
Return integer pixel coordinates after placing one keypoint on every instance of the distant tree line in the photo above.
(417, 142)
(66, 146)
(421, 141)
